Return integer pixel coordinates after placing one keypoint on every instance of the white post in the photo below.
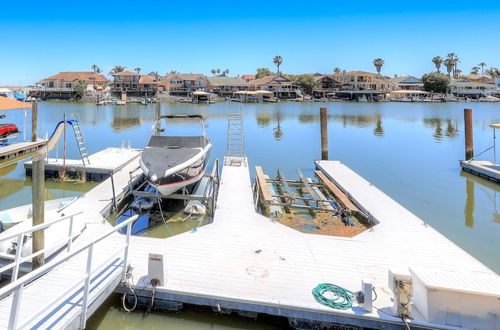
(125, 253)
(19, 249)
(83, 315)
(14, 309)
(70, 234)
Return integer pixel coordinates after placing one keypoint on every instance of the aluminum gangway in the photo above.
(65, 292)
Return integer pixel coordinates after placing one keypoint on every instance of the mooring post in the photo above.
(323, 115)
(34, 118)
(469, 141)
(37, 190)
(157, 119)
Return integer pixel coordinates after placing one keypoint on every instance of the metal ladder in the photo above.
(235, 152)
(80, 142)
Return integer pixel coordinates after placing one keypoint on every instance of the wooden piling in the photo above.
(469, 141)
(157, 118)
(324, 133)
(37, 191)
(34, 118)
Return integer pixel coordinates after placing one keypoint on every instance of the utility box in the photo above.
(157, 267)
(460, 299)
(400, 282)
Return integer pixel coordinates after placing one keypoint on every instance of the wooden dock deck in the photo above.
(101, 164)
(20, 148)
(482, 168)
(245, 262)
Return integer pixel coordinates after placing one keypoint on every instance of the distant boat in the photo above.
(171, 163)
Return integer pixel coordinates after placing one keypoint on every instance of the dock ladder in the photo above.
(82, 147)
(235, 152)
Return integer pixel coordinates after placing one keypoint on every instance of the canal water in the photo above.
(409, 151)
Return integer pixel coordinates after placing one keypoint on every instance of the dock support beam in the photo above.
(469, 141)
(34, 118)
(38, 180)
(323, 115)
(158, 119)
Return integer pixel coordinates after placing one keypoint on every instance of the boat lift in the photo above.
(207, 196)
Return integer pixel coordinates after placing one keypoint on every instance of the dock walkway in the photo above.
(483, 168)
(17, 149)
(245, 262)
(101, 164)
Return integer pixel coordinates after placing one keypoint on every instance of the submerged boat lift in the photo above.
(207, 195)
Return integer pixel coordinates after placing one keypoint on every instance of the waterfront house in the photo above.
(62, 85)
(469, 89)
(408, 83)
(149, 84)
(360, 81)
(282, 86)
(326, 86)
(225, 86)
(184, 84)
(125, 82)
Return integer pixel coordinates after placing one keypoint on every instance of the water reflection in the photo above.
(379, 130)
(437, 123)
(487, 189)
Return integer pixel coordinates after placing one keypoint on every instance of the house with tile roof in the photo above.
(361, 81)
(184, 84)
(62, 85)
(326, 85)
(467, 89)
(226, 86)
(282, 86)
(249, 77)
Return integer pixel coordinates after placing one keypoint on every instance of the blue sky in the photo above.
(41, 38)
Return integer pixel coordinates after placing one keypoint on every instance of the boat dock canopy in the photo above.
(11, 104)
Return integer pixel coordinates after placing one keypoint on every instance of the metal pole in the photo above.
(494, 146)
(83, 316)
(14, 309)
(113, 187)
(125, 253)
(469, 141)
(64, 143)
(324, 133)
(38, 181)
(34, 118)
(158, 119)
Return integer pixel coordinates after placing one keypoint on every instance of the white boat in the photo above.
(171, 163)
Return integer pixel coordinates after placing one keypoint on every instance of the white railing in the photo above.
(20, 235)
(17, 287)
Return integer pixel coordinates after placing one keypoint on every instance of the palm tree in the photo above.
(378, 63)
(437, 60)
(218, 71)
(138, 70)
(225, 72)
(98, 70)
(95, 68)
(337, 70)
(448, 63)
(474, 70)
(277, 60)
(454, 60)
(482, 65)
(116, 69)
(213, 71)
(457, 73)
(493, 72)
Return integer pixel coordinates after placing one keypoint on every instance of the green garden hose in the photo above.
(342, 298)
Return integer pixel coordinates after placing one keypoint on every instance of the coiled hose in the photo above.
(342, 298)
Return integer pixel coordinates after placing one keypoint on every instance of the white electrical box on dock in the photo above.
(367, 289)
(157, 267)
(401, 285)
(468, 300)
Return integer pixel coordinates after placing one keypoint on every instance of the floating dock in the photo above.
(99, 167)
(20, 148)
(244, 262)
(482, 168)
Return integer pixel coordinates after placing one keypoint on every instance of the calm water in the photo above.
(409, 151)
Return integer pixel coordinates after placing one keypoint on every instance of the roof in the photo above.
(411, 80)
(319, 77)
(77, 75)
(260, 92)
(186, 76)
(11, 104)
(227, 81)
(405, 91)
(349, 73)
(464, 82)
(147, 79)
(248, 77)
(267, 79)
(125, 73)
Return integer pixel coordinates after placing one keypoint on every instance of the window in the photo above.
(68, 85)
(51, 84)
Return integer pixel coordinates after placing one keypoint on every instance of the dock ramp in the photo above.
(65, 292)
